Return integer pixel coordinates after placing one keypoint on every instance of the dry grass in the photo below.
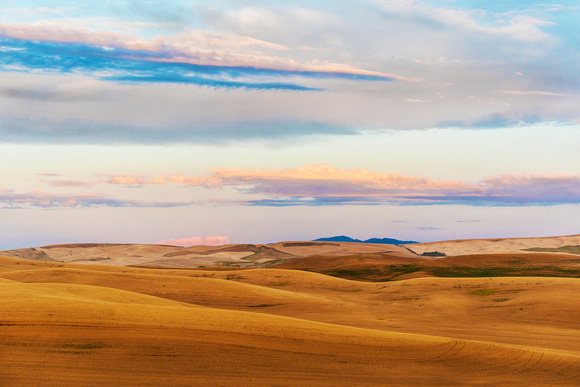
(500, 245)
(66, 324)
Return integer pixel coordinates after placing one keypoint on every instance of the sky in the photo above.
(189, 122)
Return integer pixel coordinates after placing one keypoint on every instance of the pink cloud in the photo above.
(195, 241)
(310, 180)
(328, 173)
(321, 184)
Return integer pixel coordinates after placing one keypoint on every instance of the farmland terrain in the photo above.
(384, 315)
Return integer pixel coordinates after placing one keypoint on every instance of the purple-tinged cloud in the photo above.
(316, 185)
(534, 188)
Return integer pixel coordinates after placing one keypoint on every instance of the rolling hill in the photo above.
(299, 312)
(79, 324)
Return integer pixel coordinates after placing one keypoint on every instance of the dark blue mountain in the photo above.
(344, 238)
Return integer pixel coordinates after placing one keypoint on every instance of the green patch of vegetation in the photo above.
(203, 276)
(230, 277)
(228, 264)
(482, 292)
(467, 271)
(375, 273)
(393, 272)
(516, 261)
(433, 254)
(501, 299)
(564, 249)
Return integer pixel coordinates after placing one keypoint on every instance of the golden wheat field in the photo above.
(74, 324)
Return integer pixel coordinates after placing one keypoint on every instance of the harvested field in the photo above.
(73, 324)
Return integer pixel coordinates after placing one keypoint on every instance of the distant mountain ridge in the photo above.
(344, 238)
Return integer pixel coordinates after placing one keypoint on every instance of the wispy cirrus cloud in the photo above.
(120, 58)
(519, 27)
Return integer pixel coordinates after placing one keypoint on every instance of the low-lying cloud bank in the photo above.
(315, 185)
(327, 185)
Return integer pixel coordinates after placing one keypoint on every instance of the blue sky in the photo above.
(259, 121)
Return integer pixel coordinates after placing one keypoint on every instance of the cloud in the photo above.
(71, 184)
(320, 184)
(113, 57)
(396, 5)
(530, 20)
(9, 199)
(42, 95)
(534, 188)
(76, 131)
(216, 76)
(195, 241)
(38, 199)
(308, 176)
(532, 92)
(473, 21)
(169, 179)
